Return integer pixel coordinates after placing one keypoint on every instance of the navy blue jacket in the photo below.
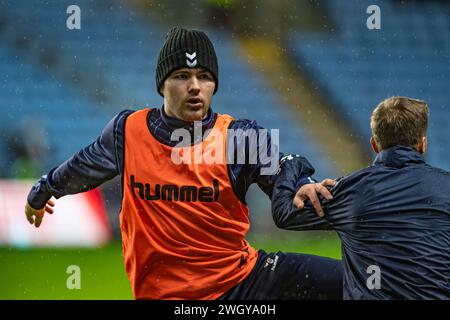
(103, 159)
(394, 215)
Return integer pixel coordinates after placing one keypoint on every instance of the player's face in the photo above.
(188, 93)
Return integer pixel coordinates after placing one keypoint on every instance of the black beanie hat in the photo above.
(186, 49)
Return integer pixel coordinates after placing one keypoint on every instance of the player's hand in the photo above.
(311, 191)
(35, 216)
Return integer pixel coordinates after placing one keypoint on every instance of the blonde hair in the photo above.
(399, 121)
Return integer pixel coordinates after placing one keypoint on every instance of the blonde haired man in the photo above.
(393, 217)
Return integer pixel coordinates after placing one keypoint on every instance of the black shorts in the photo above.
(279, 276)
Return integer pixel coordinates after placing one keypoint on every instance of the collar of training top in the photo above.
(398, 156)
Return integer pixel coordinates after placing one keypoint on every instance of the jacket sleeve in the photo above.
(85, 170)
(338, 211)
(257, 159)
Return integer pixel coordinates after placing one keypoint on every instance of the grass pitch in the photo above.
(41, 273)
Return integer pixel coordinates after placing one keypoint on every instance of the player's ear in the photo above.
(423, 145)
(374, 145)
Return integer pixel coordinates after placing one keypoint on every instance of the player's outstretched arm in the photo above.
(85, 170)
(35, 216)
(289, 196)
(259, 161)
(298, 206)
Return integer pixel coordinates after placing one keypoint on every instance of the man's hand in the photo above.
(35, 216)
(310, 191)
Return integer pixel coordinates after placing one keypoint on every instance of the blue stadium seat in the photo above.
(408, 56)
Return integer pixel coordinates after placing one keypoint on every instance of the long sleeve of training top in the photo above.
(86, 169)
(103, 160)
(287, 216)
